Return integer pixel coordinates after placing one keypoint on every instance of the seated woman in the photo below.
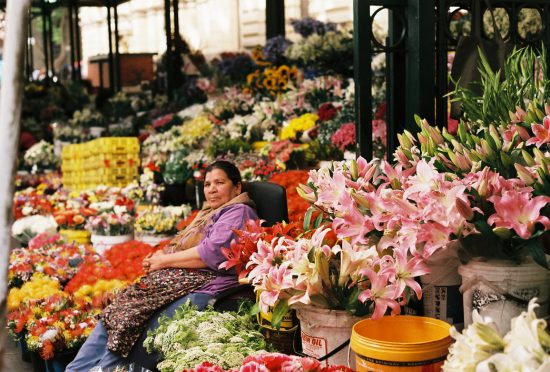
(186, 270)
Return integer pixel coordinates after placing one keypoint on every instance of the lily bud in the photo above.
(496, 136)
(502, 232)
(464, 209)
(489, 335)
(524, 174)
(354, 170)
(487, 148)
(547, 108)
(360, 199)
(404, 141)
(482, 189)
(528, 158)
(306, 193)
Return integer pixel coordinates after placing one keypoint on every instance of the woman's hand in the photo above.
(153, 262)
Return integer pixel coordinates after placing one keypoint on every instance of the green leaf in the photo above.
(279, 311)
(318, 221)
(255, 309)
(537, 252)
(307, 218)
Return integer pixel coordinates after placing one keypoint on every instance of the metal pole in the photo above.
(420, 62)
(118, 81)
(31, 47)
(111, 62)
(362, 29)
(45, 43)
(50, 40)
(11, 98)
(274, 18)
(176, 19)
(72, 39)
(78, 42)
(169, 58)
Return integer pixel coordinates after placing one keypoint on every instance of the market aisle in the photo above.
(12, 359)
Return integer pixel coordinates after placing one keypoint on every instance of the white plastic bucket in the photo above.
(500, 290)
(323, 330)
(102, 243)
(441, 297)
(153, 240)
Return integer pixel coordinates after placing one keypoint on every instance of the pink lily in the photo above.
(541, 132)
(277, 280)
(517, 211)
(381, 294)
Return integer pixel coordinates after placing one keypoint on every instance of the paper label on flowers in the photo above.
(314, 346)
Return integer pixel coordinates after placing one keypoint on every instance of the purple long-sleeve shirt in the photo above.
(217, 235)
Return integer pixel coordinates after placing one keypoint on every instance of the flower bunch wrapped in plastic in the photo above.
(481, 348)
(158, 220)
(74, 219)
(41, 156)
(113, 217)
(26, 228)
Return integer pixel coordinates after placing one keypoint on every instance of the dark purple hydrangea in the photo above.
(308, 26)
(274, 49)
(237, 67)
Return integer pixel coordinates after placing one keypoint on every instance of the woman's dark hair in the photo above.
(229, 168)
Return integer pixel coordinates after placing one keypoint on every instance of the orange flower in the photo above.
(78, 219)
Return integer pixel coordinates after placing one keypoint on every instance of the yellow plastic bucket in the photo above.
(400, 344)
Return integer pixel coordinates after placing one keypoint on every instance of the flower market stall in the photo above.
(362, 234)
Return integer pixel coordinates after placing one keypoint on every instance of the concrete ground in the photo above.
(12, 359)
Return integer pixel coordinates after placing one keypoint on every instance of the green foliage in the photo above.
(224, 146)
(525, 84)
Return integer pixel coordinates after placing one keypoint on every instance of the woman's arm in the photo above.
(188, 259)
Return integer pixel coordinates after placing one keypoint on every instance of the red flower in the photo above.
(327, 111)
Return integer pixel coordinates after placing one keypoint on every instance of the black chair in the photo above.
(269, 197)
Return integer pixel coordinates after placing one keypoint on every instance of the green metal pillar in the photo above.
(274, 18)
(362, 30)
(420, 65)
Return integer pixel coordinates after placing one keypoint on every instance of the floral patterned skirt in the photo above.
(126, 317)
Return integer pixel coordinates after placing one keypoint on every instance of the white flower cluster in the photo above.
(193, 337)
(41, 156)
(26, 228)
(480, 348)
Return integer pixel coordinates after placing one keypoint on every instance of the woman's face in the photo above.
(218, 188)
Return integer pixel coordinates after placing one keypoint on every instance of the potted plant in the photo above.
(113, 224)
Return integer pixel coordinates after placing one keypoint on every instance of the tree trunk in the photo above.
(10, 115)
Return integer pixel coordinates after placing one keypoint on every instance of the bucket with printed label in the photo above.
(501, 290)
(441, 297)
(323, 330)
(400, 344)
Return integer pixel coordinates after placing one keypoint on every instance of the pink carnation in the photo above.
(344, 137)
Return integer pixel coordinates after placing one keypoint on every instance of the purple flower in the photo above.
(236, 67)
(308, 26)
(274, 50)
